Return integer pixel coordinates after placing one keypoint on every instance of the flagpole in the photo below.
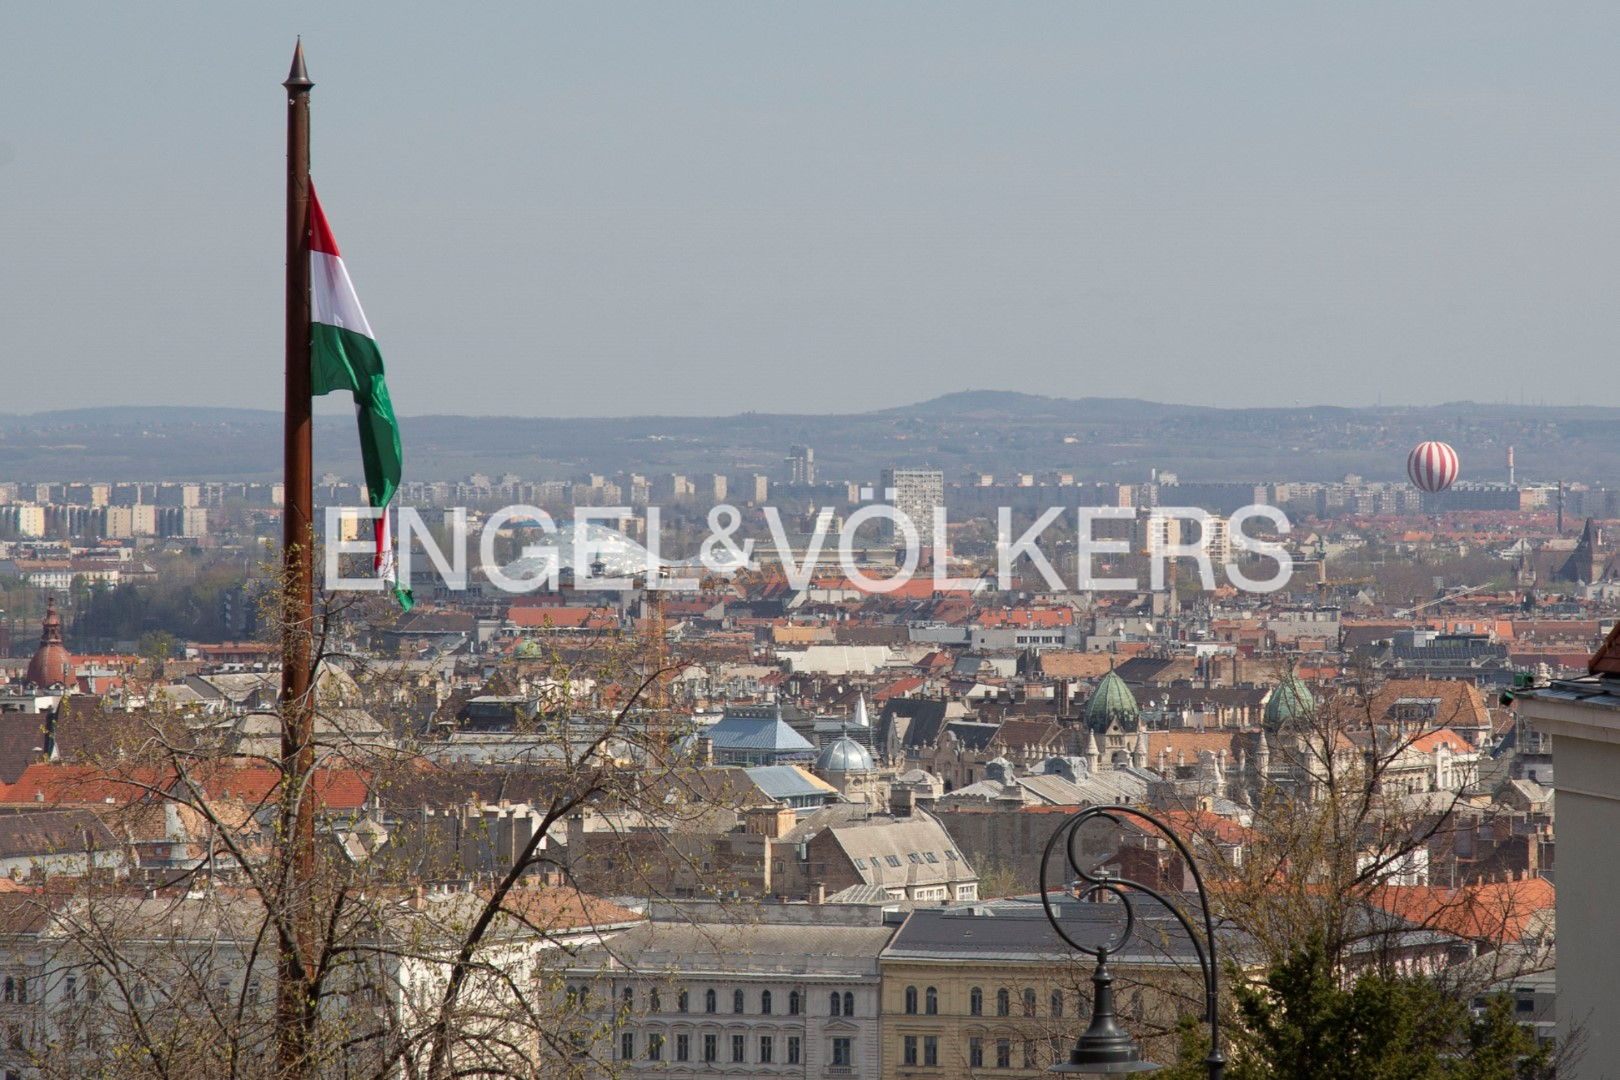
(298, 592)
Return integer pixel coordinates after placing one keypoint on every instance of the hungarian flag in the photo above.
(344, 356)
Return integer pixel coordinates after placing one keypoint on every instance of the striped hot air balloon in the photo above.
(1432, 466)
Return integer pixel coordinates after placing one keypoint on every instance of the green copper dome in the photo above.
(1290, 700)
(1111, 702)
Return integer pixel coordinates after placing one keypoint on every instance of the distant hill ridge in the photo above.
(963, 433)
(961, 402)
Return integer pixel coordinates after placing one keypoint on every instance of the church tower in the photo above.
(52, 664)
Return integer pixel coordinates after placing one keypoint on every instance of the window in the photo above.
(629, 996)
(911, 1002)
(931, 857)
(1003, 1002)
(843, 1051)
(627, 1045)
(795, 1004)
(910, 1055)
(655, 1047)
(931, 1002)
(892, 860)
(11, 989)
(914, 857)
(837, 1005)
(137, 994)
(654, 1001)
(849, 1003)
(70, 988)
(765, 1002)
(767, 1049)
(1029, 1053)
(739, 1048)
(683, 1001)
(793, 1050)
(711, 1047)
(1003, 1053)
(976, 1002)
(976, 1052)
(930, 1049)
(860, 864)
(683, 1048)
(737, 1004)
(709, 1001)
(1057, 1003)
(1029, 1002)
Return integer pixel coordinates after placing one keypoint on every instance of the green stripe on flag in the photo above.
(344, 360)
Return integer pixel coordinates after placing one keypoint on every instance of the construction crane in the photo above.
(1407, 613)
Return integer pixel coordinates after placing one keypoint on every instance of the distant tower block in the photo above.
(915, 493)
(1511, 481)
(802, 466)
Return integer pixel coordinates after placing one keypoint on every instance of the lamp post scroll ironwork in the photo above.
(1104, 1048)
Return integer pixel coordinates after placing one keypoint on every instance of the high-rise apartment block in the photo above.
(801, 465)
(915, 493)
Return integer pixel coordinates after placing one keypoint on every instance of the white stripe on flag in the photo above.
(331, 295)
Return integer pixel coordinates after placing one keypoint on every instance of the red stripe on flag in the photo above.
(320, 233)
(379, 530)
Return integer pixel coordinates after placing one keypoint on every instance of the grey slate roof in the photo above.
(694, 949)
(904, 852)
(861, 894)
(1017, 929)
(53, 832)
(784, 782)
(755, 733)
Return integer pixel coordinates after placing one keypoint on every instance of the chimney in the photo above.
(705, 751)
(770, 821)
(818, 892)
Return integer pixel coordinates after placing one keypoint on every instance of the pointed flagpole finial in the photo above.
(298, 79)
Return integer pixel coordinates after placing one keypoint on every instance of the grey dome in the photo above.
(844, 754)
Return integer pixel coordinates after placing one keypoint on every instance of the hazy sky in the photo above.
(608, 208)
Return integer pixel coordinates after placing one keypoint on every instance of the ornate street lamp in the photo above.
(1104, 1048)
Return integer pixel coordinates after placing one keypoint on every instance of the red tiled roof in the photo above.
(1026, 617)
(561, 618)
(898, 688)
(58, 784)
(1499, 911)
(345, 789)
(1204, 823)
(1428, 742)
